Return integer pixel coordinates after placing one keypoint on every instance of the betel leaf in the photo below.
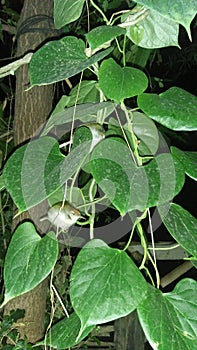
(63, 334)
(175, 108)
(182, 227)
(114, 170)
(86, 113)
(105, 284)
(188, 161)
(169, 320)
(61, 59)
(86, 91)
(143, 127)
(29, 260)
(175, 10)
(103, 34)
(165, 179)
(146, 131)
(161, 177)
(129, 186)
(154, 31)
(180, 173)
(38, 169)
(118, 83)
(67, 11)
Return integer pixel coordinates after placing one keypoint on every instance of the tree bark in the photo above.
(32, 107)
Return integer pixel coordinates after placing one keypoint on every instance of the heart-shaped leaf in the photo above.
(29, 260)
(38, 169)
(154, 31)
(129, 186)
(163, 179)
(120, 179)
(103, 34)
(105, 284)
(188, 161)
(182, 226)
(175, 10)
(67, 11)
(64, 334)
(119, 83)
(175, 108)
(84, 92)
(86, 112)
(61, 59)
(169, 320)
(146, 131)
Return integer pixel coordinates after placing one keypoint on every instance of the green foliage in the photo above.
(64, 334)
(173, 324)
(108, 148)
(67, 11)
(23, 269)
(28, 187)
(118, 83)
(63, 58)
(102, 35)
(154, 31)
(175, 108)
(176, 10)
(109, 273)
(181, 226)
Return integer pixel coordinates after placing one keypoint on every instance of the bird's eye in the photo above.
(71, 214)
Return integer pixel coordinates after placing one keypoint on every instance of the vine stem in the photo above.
(60, 300)
(72, 131)
(154, 262)
(124, 134)
(52, 310)
(137, 221)
(92, 217)
(100, 11)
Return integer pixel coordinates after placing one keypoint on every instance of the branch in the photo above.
(12, 67)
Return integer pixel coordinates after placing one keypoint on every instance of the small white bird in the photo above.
(63, 217)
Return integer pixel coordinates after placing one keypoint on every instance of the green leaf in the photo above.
(63, 334)
(175, 10)
(182, 227)
(146, 131)
(29, 260)
(188, 161)
(92, 131)
(61, 59)
(169, 320)
(118, 83)
(98, 36)
(154, 31)
(130, 187)
(179, 171)
(67, 11)
(86, 113)
(105, 284)
(137, 55)
(143, 127)
(59, 196)
(2, 186)
(162, 179)
(114, 170)
(175, 108)
(38, 169)
(88, 92)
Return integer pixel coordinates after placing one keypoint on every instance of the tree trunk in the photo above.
(32, 107)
